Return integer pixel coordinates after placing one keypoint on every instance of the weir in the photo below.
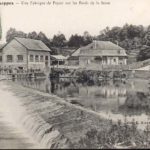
(49, 120)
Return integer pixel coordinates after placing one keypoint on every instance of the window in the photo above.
(98, 58)
(20, 58)
(9, 58)
(118, 51)
(36, 58)
(0, 58)
(120, 58)
(31, 58)
(46, 57)
(41, 58)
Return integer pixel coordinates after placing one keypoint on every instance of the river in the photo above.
(61, 113)
(117, 100)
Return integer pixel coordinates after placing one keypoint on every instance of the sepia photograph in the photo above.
(74, 74)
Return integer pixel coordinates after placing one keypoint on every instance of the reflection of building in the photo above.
(102, 53)
(24, 53)
(104, 92)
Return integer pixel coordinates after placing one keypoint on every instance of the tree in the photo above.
(32, 35)
(76, 41)
(41, 36)
(12, 32)
(0, 29)
(144, 53)
(59, 40)
(87, 38)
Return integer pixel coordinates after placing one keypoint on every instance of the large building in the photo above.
(102, 53)
(24, 53)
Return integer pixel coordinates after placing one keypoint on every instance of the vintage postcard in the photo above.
(74, 74)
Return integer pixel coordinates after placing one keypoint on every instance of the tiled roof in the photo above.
(1, 46)
(32, 44)
(101, 48)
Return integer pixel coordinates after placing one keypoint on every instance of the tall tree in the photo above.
(0, 28)
(76, 41)
(41, 36)
(59, 40)
(12, 32)
(32, 35)
(87, 38)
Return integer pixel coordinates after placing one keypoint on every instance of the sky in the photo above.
(72, 19)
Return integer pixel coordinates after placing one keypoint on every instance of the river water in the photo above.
(60, 113)
(126, 101)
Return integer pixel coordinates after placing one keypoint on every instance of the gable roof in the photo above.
(32, 44)
(102, 45)
(102, 48)
(76, 52)
(1, 46)
(58, 57)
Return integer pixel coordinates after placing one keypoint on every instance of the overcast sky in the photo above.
(74, 18)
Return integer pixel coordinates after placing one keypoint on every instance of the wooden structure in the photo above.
(58, 60)
(25, 54)
(100, 53)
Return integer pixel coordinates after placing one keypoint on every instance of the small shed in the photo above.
(73, 59)
(58, 60)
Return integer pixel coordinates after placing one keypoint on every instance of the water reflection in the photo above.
(116, 100)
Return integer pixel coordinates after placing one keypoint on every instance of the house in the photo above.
(73, 59)
(100, 53)
(25, 53)
(58, 60)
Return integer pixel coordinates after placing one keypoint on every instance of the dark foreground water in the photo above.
(126, 101)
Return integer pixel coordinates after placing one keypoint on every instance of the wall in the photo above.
(90, 60)
(14, 48)
(38, 65)
(73, 61)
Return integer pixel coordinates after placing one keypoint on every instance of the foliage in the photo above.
(144, 53)
(0, 29)
(12, 32)
(59, 40)
(75, 41)
(129, 37)
(117, 135)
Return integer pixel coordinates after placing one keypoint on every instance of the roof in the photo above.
(101, 48)
(76, 52)
(1, 46)
(32, 44)
(59, 57)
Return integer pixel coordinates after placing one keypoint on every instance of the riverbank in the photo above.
(55, 123)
